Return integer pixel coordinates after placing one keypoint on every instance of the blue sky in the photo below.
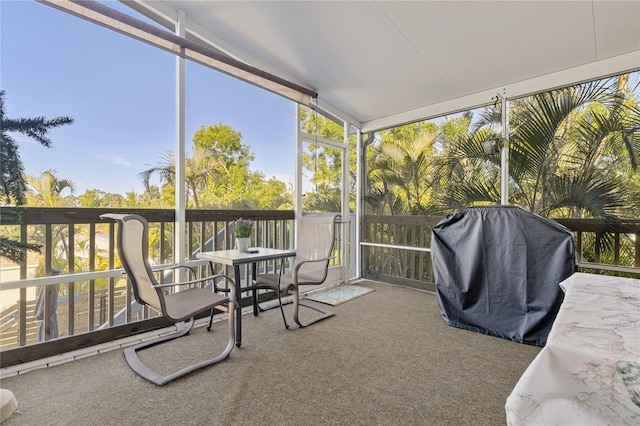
(121, 94)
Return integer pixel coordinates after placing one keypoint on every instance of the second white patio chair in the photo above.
(175, 306)
(310, 266)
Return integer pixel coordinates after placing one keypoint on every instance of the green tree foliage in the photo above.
(402, 168)
(573, 153)
(10, 247)
(200, 168)
(322, 166)
(12, 184)
(98, 198)
(46, 190)
(271, 194)
(152, 197)
(464, 174)
(222, 141)
(563, 145)
(560, 140)
(218, 175)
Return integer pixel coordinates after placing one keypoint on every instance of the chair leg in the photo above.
(211, 319)
(235, 303)
(140, 368)
(296, 305)
(279, 305)
(286, 325)
(214, 286)
(216, 290)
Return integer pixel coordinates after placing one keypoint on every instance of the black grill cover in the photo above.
(497, 271)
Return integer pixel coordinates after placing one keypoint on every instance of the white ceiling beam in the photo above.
(335, 114)
(117, 21)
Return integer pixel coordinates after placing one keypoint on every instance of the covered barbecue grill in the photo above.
(497, 271)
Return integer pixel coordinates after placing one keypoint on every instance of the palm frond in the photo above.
(472, 193)
(16, 251)
(597, 197)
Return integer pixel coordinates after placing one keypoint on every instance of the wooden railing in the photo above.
(93, 301)
(396, 249)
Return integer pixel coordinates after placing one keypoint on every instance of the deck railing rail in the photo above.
(396, 249)
(79, 264)
(92, 301)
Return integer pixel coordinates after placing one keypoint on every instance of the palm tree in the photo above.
(559, 144)
(46, 189)
(566, 149)
(12, 184)
(200, 169)
(464, 174)
(402, 169)
(322, 165)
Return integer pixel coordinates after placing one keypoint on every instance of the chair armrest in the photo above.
(294, 274)
(199, 280)
(192, 272)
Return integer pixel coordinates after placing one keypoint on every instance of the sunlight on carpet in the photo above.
(338, 295)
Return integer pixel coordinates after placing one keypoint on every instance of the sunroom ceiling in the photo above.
(384, 63)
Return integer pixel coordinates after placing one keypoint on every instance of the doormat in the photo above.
(337, 295)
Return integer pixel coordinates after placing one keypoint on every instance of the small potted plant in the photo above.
(242, 230)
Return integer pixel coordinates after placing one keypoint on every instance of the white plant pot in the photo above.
(242, 244)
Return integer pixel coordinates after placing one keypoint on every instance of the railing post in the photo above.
(579, 246)
(70, 248)
(91, 291)
(637, 249)
(48, 300)
(365, 250)
(22, 303)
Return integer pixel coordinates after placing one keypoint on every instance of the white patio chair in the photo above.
(177, 306)
(310, 266)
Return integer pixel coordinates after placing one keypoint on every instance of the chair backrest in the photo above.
(316, 236)
(132, 238)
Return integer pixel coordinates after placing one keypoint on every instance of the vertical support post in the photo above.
(346, 214)
(71, 292)
(22, 303)
(579, 247)
(504, 154)
(367, 230)
(297, 204)
(180, 201)
(360, 170)
(91, 290)
(637, 250)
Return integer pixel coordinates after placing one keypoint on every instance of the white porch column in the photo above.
(179, 225)
(297, 203)
(346, 216)
(360, 179)
(504, 153)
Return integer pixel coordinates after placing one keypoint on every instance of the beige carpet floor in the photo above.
(385, 358)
